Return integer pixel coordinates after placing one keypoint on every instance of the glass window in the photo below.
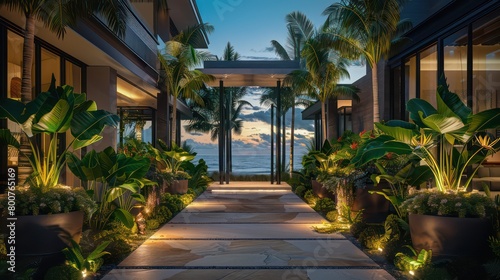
(51, 65)
(74, 76)
(428, 74)
(486, 62)
(396, 94)
(411, 78)
(455, 63)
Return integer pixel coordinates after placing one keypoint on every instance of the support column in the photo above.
(272, 144)
(278, 132)
(228, 136)
(221, 132)
(101, 87)
(163, 116)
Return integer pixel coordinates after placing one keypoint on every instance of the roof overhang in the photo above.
(184, 13)
(249, 73)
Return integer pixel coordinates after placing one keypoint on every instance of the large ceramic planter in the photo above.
(450, 236)
(42, 238)
(320, 191)
(375, 207)
(178, 187)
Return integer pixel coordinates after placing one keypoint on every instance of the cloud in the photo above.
(265, 50)
(251, 57)
(257, 108)
(265, 116)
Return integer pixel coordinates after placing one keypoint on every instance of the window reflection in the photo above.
(455, 63)
(51, 65)
(428, 75)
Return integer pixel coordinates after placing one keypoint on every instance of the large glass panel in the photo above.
(455, 63)
(396, 94)
(486, 62)
(74, 76)
(410, 78)
(14, 74)
(135, 123)
(51, 65)
(428, 74)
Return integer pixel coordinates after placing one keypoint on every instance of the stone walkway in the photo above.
(247, 231)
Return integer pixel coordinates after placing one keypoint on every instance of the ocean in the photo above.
(248, 162)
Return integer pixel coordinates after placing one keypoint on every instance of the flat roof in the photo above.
(240, 73)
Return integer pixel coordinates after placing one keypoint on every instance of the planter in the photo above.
(42, 238)
(450, 236)
(178, 187)
(320, 191)
(376, 207)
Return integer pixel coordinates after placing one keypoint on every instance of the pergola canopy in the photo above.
(249, 73)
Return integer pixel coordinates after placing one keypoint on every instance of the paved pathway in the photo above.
(247, 231)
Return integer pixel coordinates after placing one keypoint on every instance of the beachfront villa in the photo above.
(302, 228)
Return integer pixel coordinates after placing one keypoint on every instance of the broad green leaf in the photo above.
(138, 197)
(56, 120)
(488, 119)
(125, 217)
(78, 144)
(442, 124)
(399, 133)
(86, 125)
(6, 138)
(99, 251)
(14, 110)
(450, 104)
(114, 193)
(376, 148)
(75, 165)
(415, 106)
(420, 175)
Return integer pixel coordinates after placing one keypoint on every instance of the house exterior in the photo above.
(120, 74)
(458, 38)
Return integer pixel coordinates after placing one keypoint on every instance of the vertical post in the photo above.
(278, 132)
(221, 132)
(272, 144)
(228, 136)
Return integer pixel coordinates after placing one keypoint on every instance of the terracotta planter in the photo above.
(376, 207)
(178, 187)
(320, 191)
(450, 236)
(42, 238)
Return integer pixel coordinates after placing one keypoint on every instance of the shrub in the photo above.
(324, 205)
(152, 224)
(357, 228)
(162, 214)
(186, 199)
(395, 236)
(310, 197)
(372, 237)
(300, 190)
(173, 202)
(63, 272)
(332, 215)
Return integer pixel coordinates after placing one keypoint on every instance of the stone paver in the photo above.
(247, 231)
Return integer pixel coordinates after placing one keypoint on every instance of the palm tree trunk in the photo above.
(323, 122)
(174, 120)
(376, 111)
(28, 47)
(292, 127)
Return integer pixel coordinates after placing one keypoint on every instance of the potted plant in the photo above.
(351, 184)
(453, 142)
(171, 161)
(49, 115)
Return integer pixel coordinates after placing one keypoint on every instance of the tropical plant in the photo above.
(52, 114)
(366, 29)
(56, 16)
(460, 137)
(89, 264)
(172, 161)
(324, 68)
(417, 260)
(300, 29)
(115, 181)
(178, 60)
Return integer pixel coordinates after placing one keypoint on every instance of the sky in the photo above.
(250, 25)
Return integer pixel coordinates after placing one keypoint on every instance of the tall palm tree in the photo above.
(367, 29)
(230, 54)
(300, 29)
(206, 119)
(178, 59)
(323, 69)
(56, 15)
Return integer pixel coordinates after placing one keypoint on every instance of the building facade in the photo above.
(120, 73)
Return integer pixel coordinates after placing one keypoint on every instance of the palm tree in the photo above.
(178, 59)
(206, 119)
(230, 54)
(367, 29)
(300, 29)
(56, 15)
(323, 69)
